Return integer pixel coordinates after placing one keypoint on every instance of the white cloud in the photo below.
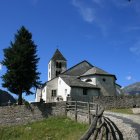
(85, 11)
(0, 66)
(129, 77)
(136, 48)
(91, 12)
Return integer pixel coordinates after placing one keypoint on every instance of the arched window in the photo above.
(60, 64)
(58, 72)
(88, 80)
(57, 64)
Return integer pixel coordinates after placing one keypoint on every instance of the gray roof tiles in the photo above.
(95, 70)
(58, 56)
(74, 82)
(78, 69)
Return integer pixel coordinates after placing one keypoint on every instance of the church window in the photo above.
(57, 73)
(88, 80)
(57, 64)
(104, 79)
(49, 66)
(84, 91)
(65, 91)
(49, 74)
(53, 93)
(60, 65)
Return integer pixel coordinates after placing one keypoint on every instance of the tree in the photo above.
(21, 61)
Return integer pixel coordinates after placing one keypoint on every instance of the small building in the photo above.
(80, 82)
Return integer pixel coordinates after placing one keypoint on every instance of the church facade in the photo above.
(80, 82)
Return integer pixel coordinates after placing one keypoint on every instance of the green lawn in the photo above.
(122, 110)
(48, 129)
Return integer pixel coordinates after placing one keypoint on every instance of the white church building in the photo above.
(80, 82)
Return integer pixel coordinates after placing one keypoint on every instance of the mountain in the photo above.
(132, 89)
(5, 97)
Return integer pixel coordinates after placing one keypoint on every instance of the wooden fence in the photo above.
(100, 127)
(87, 108)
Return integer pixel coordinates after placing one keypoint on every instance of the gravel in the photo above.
(129, 125)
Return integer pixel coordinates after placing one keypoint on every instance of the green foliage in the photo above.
(49, 129)
(21, 61)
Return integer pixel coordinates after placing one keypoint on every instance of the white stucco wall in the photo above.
(38, 95)
(49, 71)
(44, 93)
(63, 89)
(107, 85)
(93, 78)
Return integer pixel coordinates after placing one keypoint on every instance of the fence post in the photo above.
(75, 110)
(89, 117)
(96, 110)
(66, 108)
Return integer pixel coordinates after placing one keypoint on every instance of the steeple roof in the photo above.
(58, 56)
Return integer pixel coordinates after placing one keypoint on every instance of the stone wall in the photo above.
(109, 102)
(81, 116)
(13, 115)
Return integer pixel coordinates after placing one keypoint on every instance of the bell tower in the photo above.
(57, 65)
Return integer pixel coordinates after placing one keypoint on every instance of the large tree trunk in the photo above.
(20, 99)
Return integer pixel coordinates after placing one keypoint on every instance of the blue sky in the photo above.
(104, 32)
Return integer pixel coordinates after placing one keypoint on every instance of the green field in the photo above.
(122, 110)
(48, 129)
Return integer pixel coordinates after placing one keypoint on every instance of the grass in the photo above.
(54, 128)
(122, 110)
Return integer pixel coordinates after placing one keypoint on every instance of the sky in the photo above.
(104, 32)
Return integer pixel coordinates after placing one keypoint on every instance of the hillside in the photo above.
(132, 89)
(5, 97)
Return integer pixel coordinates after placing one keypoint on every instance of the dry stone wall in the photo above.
(13, 115)
(109, 102)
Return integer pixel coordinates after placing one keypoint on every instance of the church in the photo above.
(80, 82)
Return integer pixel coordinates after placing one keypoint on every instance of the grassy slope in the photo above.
(124, 111)
(49, 129)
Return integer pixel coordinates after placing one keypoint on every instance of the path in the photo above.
(129, 125)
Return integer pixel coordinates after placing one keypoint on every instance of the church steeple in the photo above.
(57, 65)
(58, 56)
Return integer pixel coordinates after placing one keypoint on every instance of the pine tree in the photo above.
(21, 61)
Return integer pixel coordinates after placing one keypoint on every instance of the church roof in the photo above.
(78, 69)
(97, 71)
(72, 81)
(58, 56)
